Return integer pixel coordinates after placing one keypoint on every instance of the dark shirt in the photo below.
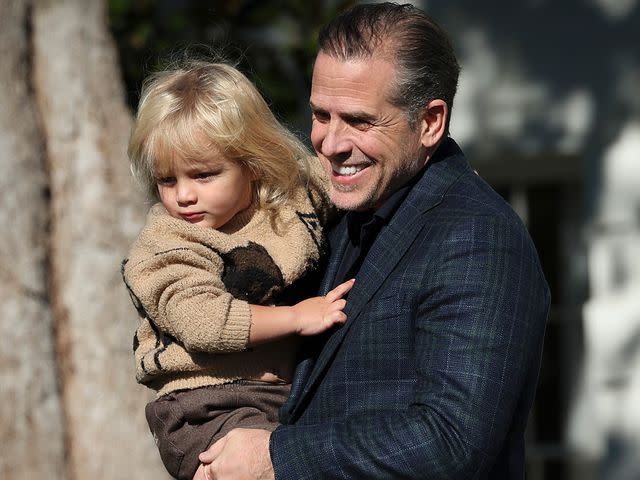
(364, 227)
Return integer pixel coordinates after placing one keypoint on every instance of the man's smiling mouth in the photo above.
(347, 170)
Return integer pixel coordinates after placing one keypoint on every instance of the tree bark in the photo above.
(69, 213)
(31, 429)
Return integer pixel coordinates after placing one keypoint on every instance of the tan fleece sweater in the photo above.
(192, 287)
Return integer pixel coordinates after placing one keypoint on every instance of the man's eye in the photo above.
(360, 124)
(321, 117)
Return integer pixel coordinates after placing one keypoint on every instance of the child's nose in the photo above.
(185, 193)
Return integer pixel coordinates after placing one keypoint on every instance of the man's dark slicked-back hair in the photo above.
(426, 65)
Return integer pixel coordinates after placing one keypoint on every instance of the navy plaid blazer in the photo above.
(435, 371)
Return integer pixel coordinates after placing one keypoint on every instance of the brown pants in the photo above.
(187, 422)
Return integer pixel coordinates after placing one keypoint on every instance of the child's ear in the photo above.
(251, 172)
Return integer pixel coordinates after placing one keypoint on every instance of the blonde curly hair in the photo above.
(185, 113)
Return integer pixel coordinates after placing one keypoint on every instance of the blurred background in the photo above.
(548, 112)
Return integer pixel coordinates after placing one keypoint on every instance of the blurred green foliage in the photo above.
(273, 42)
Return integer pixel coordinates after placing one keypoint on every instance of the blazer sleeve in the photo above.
(478, 324)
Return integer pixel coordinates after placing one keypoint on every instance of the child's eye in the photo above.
(166, 181)
(205, 175)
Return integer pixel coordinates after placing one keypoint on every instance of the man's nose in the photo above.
(336, 141)
(185, 193)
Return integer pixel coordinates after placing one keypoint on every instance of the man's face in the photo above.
(365, 144)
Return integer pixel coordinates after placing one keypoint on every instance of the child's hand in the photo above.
(317, 314)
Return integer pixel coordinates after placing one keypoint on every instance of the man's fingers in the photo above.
(200, 475)
(213, 451)
(242, 454)
(340, 290)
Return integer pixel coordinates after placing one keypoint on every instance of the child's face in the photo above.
(208, 193)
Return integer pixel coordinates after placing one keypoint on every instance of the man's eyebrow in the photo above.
(314, 108)
(355, 116)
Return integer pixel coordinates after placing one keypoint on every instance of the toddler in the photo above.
(237, 234)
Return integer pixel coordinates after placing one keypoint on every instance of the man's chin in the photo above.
(352, 200)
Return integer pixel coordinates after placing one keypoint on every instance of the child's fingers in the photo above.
(340, 290)
(337, 317)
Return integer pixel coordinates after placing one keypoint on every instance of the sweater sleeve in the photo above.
(177, 282)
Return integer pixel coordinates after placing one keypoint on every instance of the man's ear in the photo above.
(433, 123)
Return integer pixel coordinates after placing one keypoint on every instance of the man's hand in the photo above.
(200, 475)
(242, 454)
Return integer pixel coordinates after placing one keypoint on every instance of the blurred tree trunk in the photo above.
(70, 405)
(31, 432)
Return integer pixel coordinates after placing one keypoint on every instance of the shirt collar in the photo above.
(358, 221)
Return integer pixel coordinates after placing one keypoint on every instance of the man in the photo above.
(434, 373)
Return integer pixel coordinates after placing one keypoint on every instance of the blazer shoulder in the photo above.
(471, 195)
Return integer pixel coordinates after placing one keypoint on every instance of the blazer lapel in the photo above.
(338, 242)
(384, 255)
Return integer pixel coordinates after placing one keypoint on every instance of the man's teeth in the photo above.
(350, 170)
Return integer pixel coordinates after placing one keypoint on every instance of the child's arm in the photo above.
(174, 276)
(308, 317)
